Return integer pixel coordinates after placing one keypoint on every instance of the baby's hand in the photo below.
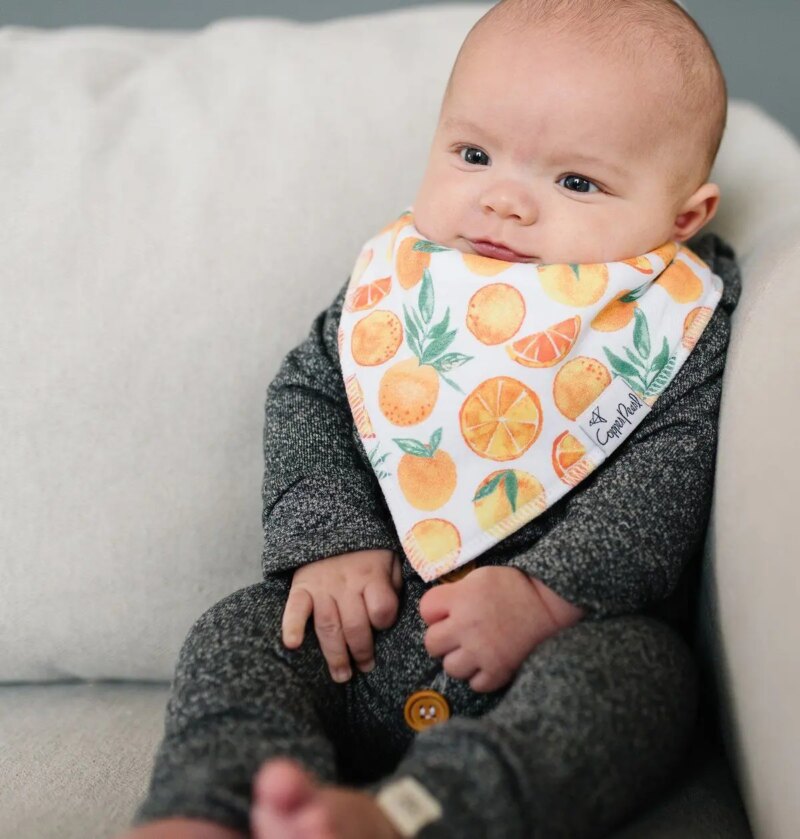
(346, 593)
(487, 623)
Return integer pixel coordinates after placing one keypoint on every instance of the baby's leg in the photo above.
(593, 727)
(238, 699)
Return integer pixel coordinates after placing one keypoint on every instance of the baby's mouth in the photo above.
(497, 251)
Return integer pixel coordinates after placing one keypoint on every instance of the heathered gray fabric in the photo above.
(598, 717)
(593, 727)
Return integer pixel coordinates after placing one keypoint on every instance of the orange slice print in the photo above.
(368, 295)
(355, 396)
(495, 313)
(546, 348)
(569, 459)
(432, 547)
(501, 418)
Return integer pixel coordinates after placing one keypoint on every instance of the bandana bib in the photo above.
(484, 390)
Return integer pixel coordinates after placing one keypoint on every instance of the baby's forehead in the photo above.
(665, 68)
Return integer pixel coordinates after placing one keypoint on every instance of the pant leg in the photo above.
(238, 698)
(593, 727)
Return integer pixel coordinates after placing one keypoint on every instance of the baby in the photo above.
(571, 131)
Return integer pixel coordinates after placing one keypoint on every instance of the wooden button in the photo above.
(458, 573)
(425, 708)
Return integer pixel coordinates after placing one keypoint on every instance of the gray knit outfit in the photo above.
(599, 717)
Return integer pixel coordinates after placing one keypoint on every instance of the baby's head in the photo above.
(576, 131)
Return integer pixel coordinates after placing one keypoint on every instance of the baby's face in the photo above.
(551, 151)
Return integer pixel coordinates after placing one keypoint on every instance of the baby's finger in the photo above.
(357, 630)
(460, 665)
(328, 626)
(439, 639)
(299, 605)
(381, 603)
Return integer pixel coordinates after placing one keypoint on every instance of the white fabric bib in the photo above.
(485, 390)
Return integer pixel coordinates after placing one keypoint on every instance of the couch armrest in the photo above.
(749, 594)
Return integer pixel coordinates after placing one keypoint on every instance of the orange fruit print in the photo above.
(546, 348)
(501, 418)
(368, 295)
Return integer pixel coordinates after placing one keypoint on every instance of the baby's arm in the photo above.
(622, 538)
(320, 497)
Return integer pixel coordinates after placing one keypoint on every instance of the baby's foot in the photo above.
(288, 803)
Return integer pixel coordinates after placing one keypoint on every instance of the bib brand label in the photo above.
(615, 414)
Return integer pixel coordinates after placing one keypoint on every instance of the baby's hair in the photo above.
(665, 30)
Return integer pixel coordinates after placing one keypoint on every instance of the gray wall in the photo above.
(756, 40)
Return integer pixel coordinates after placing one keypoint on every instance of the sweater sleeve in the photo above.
(622, 540)
(320, 496)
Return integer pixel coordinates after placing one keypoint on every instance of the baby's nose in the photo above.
(510, 201)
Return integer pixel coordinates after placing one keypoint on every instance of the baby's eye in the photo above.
(574, 183)
(473, 160)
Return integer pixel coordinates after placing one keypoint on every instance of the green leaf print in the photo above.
(511, 487)
(620, 366)
(441, 327)
(649, 378)
(450, 361)
(662, 379)
(641, 334)
(636, 361)
(414, 447)
(660, 360)
(489, 488)
(438, 346)
(418, 449)
(428, 247)
(426, 297)
(410, 326)
(429, 342)
(376, 462)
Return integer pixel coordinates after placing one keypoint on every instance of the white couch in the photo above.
(166, 215)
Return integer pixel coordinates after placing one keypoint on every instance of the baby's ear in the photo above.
(696, 212)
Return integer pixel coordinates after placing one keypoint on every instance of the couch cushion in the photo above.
(76, 758)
